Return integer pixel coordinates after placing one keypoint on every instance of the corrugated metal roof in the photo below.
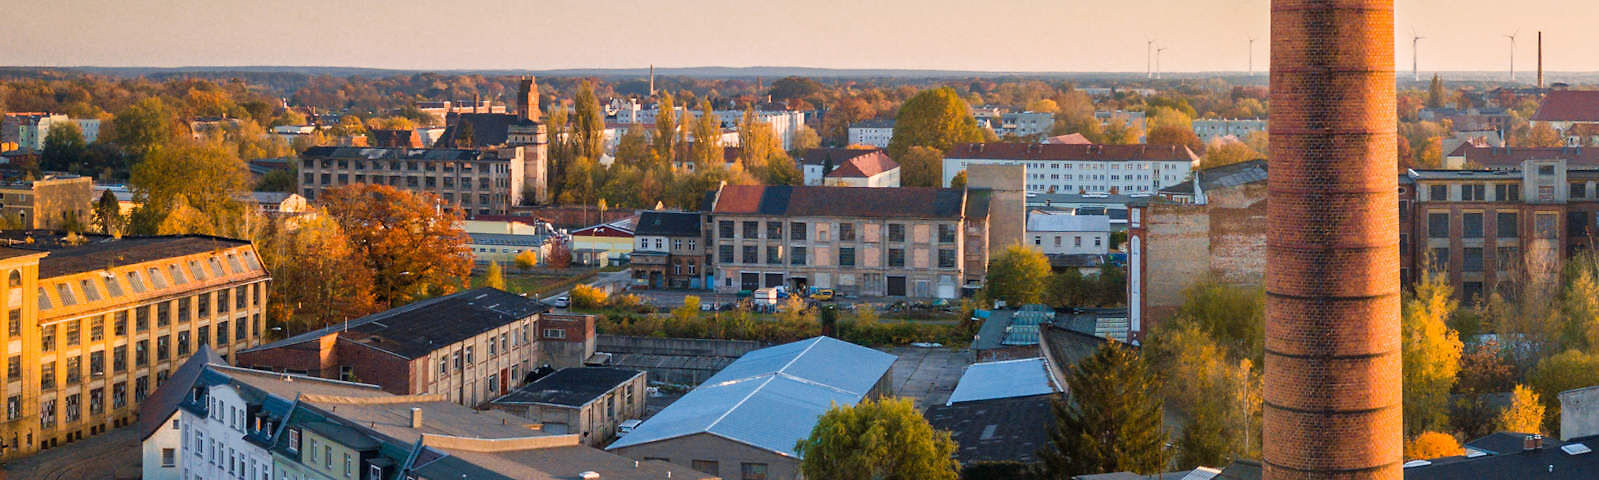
(770, 398)
(1007, 379)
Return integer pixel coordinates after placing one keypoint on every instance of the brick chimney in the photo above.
(1332, 396)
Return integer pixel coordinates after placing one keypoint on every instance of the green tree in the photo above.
(877, 439)
(1233, 316)
(937, 119)
(665, 141)
(706, 152)
(689, 310)
(207, 177)
(1017, 275)
(1437, 97)
(1112, 420)
(108, 217)
(1568, 370)
(63, 148)
(144, 126)
(921, 167)
(1431, 353)
(589, 129)
(494, 277)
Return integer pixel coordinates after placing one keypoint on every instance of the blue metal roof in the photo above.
(1007, 379)
(770, 398)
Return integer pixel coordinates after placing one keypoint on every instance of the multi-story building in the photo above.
(1065, 168)
(470, 346)
(217, 421)
(93, 328)
(871, 170)
(28, 130)
(876, 133)
(1024, 124)
(669, 251)
(1068, 234)
(1574, 114)
(478, 181)
(57, 201)
(816, 163)
(897, 242)
(1240, 129)
(1472, 157)
(785, 124)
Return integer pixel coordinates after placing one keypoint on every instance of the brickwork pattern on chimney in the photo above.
(1332, 395)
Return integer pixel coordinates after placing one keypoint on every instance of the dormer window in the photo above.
(294, 440)
(374, 472)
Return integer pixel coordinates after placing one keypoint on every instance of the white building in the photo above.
(28, 130)
(876, 133)
(1022, 124)
(785, 124)
(1061, 233)
(1134, 118)
(1065, 168)
(816, 163)
(874, 170)
(1239, 129)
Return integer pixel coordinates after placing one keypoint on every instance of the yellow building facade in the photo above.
(93, 329)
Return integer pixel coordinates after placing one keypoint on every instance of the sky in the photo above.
(985, 35)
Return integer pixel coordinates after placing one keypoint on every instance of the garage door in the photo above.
(896, 286)
(749, 281)
(774, 280)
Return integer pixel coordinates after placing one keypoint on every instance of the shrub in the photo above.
(584, 296)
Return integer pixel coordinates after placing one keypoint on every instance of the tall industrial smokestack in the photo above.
(1540, 59)
(1332, 396)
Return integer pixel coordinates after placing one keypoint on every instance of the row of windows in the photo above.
(73, 404)
(483, 183)
(1506, 225)
(799, 256)
(69, 332)
(413, 166)
(109, 286)
(74, 366)
(1503, 192)
(799, 231)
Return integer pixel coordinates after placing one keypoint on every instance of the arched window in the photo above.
(15, 280)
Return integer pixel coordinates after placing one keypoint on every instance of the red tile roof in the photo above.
(1055, 151)
(1569, 106)
(864, 166)
(1501, 157)
(1069, 139)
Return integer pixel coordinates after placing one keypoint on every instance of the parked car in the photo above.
(562, 301)
(823, 295)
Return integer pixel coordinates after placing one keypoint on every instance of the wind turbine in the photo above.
(1415, 54)
(1512, 38)
(1251, 55)
(1157, 61)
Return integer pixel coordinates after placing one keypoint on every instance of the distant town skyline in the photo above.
(999, 35)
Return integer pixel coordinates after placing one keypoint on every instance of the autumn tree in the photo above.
(63, 148)
(706, 151)
(877, 439)
(1018, 276)
(527, 259)
(321, 278)
(201, 181)
(1234, 316)
(144, 126)
(108, 217)
(1431, 353)
(1525, 414)
(1121, 130)
(1219, 393)
(409, 241)
(936, 119)
(1568, 370)
(1428, 445)
(494, 277)
(921, 167)
(1169, 126)
(560, 255)
(1227, 152)
(1542, 135)
(1437, 97)
(1111, 422)
(589, 122)
(666, 129)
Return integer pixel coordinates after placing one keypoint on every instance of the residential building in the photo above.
(876, 133)
(1473, 157)
(238, 423)
(1024, 124)
(816, 163)
(57, 201)
(871, 170)
(745, 421)
(1068, 234)
(589, 402)
(470, 347)
(503, 248)
(1113, 206)
(276, 203)
(1132, 119)
(1240, 129)
(785, 124)
(896, 242)
(94, 325)
(669, 251)
(1573, 114)
(1064, 168)
(29, 129)
(605, 244)
(520, 138)
(441, 110)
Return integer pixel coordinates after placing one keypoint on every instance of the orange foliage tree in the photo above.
(409, 241)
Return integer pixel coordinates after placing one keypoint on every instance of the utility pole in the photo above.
(1415, 54)
(1512, 38)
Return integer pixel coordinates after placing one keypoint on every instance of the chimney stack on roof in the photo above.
(416, 417)
(1332, 369)
(1540, 59)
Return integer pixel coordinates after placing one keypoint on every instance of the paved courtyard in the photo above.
(111, 455)
(928, 375)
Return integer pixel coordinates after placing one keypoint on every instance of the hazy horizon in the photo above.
(1002, 36)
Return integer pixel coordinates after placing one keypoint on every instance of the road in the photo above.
(111, 455)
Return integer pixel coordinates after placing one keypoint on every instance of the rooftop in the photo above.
(1046, 222)
(1512, 157)
(904, 202)
(1008, 429)
(440, 154)
(864, 166)
(414, 330)
(668, 224)
(572, 387)
(770, 398)
(1004, 328)
(1568, 106)
(820, 156)
(101, 252)
(1008, 379)
(1072, 152)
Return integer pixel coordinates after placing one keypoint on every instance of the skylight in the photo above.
(1575, 449)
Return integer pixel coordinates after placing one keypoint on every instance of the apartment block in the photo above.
(896, 242)
(53, 202)
(93, 326)
(479, 182)
(1068, 168)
